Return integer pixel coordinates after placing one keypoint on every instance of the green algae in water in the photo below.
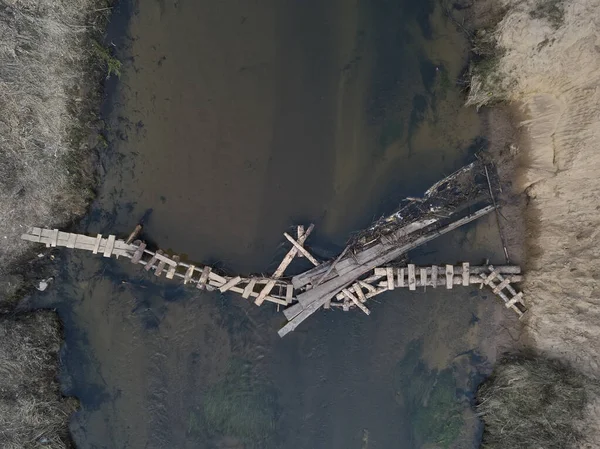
(241, 405)
(430, 399)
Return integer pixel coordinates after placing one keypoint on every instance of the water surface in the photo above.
(232, 122)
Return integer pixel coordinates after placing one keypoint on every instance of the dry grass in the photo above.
(534, 402)
(46, 80)
(32, 411)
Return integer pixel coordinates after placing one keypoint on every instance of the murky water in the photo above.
(233, 121)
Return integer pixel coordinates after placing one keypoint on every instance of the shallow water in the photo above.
(233, 121)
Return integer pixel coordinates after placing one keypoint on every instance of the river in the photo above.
(232, 121)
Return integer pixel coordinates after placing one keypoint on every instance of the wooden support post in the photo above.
(203, 278)
(249, 288)
(434, 275)
(301, 249)
(110, 245)
(282, 266)
(449, 276)
(423, 276)
(230, 283)
(390, 278)
(96, 243)
(161, 265)
(412, 282)
(466, 274)
(188, 274)
(172, 268)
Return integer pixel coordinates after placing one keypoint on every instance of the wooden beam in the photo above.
(301, 249)
(300, 233)
(401, 274)
(355, 300)
(423, 276)
(449, 276)
(188, 274)
(230, 283)
(434, 275)
(73, 240)
(359, 292)
(289, 292)
(172, 268)
(249, 288)
(282, 266)
(55, 238)
(161, 265)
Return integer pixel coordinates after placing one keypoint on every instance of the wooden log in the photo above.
(301, 249)
(423, 276)
(96, 244)
(412, 285)
(139, 252)
(201, 285)
(449, 276)
(134, 234)
(188, 274)
(172, 268)
(434, 276)
(282, 266)
(110, 245)
(231, 283)
(390, 278)
(161, 265)
(465, 274)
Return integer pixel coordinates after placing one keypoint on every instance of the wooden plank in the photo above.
(401, 277)
(282, 266)
(487, 279)
(161, 264)
(434, 276)
(465, 274)
(203, 277)
(513, 301)
(151, 262)
(355, 300)
(412, 285)
(502, 285)
(300, 233)
(172, 268)
(423, 276)
(449, 276)
(96, 244)
(139, 252)
(390, 278)
(110, 245)
(55, 238)
(249, 288)
(289, 293)
(231, 283)
(301, 249)
(188, 274)
(359, 292)
(367, 286)
(73, 240)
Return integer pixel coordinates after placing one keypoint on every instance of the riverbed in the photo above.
(231, 122)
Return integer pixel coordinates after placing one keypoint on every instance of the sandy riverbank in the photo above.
(542, 58)
(51, 65)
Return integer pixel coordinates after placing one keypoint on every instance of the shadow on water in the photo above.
(232, 122)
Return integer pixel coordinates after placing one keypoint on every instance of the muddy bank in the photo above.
(51, 67)
(529, 54)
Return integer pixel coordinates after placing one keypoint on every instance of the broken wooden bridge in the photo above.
(372, 263)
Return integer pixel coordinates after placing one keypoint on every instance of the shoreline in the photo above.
(542, 68)
(52, 88)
